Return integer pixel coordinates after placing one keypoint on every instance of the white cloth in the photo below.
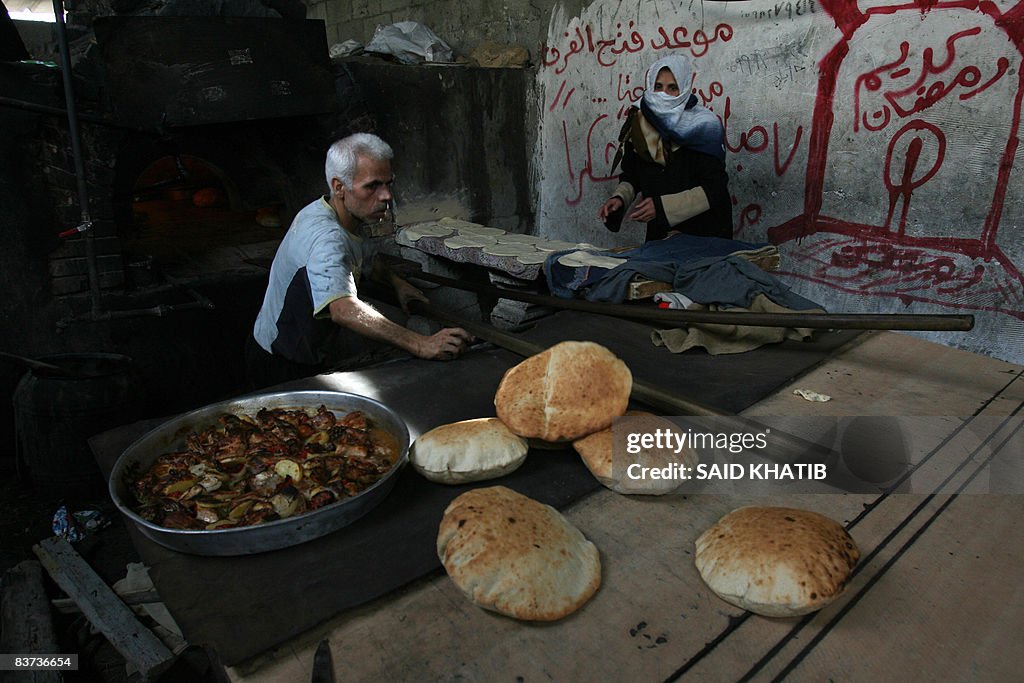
(673, 299)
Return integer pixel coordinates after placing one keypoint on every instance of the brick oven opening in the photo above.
(188, 216)
(200, 139)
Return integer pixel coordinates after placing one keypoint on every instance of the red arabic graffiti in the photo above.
(756, 140)
(892, 100)
(901, 83)
(628, 40)
(910, 273)
(911, 140)
(749, 216)
(587, 170)
(752, 141)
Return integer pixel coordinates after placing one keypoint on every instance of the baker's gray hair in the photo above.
(344, 154)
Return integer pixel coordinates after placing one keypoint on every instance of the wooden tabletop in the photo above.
(936, 595)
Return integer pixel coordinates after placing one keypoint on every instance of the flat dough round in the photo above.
(469, 228)
(514, 249)
(482, 230)
(775, 561)
(533, 258)
(513, 238)
(457, 223)
(555, 245)
(585, 258)
(516, 556)
(463, 241)
(414, 232)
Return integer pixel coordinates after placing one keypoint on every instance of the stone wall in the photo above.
(461, 135)
(461, 24)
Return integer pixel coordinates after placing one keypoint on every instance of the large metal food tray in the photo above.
(279, 533)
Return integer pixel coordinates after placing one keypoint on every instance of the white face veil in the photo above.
(661, 103)
(693, 126)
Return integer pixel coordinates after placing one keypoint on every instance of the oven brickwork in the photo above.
(68, 265)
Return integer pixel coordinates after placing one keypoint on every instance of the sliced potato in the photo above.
(208, 515)
(239, 510)
(288, 468)
(286, 503)
(179, 486)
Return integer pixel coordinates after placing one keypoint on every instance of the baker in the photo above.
(673, 161)
(312, 313)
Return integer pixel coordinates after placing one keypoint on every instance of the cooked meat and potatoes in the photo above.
(246, 470)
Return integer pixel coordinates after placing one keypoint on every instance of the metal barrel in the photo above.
(55, 413)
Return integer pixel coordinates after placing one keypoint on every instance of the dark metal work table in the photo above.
(243, 606)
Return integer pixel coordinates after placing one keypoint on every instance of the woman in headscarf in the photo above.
(673, 160)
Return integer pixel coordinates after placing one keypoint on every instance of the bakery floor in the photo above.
(937, 595)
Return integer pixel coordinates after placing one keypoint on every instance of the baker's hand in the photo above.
(406, 293)
(643, 211)
(613, 204)
(446, 344)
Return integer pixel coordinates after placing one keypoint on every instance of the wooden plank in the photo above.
(103, 608)
(69, 606)
(645, 289)
(26, 624)
(947, 607)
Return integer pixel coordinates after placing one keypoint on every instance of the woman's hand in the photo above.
(643, 211)
(613, 204)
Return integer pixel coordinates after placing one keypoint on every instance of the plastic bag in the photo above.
(409, 42)
(349, 48)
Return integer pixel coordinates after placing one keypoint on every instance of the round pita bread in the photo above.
(564, 393)
(774, 561)
(513, 555)
(597, 451)
(471, 450)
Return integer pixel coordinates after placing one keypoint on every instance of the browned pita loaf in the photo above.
(470, 450)
(513, 555)
(564, 393)
(777, 562)
(597, 451)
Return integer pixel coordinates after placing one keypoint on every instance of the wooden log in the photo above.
(675, 317)
(648, 394)
(101, 606)
(26, 623)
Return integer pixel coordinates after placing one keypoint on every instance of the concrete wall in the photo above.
(461, 137)
(877, 145)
